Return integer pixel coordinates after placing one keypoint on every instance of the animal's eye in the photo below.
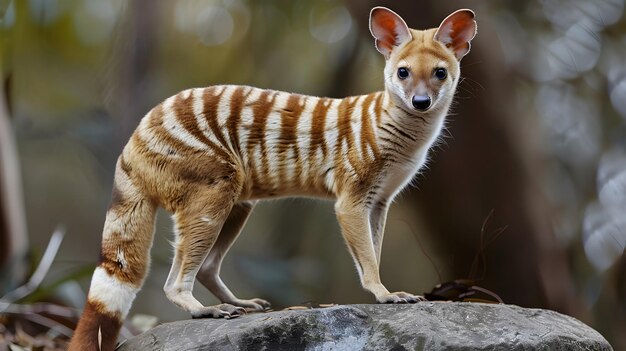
(441, 73)
(403, 72)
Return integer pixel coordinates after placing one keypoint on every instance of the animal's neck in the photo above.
(407, 132)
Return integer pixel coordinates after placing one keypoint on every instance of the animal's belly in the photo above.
(266, 188)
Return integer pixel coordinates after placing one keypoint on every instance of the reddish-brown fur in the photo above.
(93, 321)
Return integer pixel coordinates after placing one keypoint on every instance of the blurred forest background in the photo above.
(538, 135)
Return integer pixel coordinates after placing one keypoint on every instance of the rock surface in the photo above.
(421, 326)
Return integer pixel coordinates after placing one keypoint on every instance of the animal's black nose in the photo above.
(421, 102)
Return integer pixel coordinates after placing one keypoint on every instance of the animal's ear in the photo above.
(389, 29)
(456, 32)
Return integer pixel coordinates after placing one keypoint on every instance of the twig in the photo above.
(48, 323)
(488, 292)
(419, 242)
(480, 256)
(55, 310)
(39, 274)
(485, 241)
(38, 308)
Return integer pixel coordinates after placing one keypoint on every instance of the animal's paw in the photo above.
(219, 311)
(399, 297)
(252, 305)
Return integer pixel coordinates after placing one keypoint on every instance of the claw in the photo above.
(262, 303)
(256, 307)
(220, 311)
(252, 305)
(400, 297)
(413, 298)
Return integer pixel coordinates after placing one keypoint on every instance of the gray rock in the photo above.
(421, 326)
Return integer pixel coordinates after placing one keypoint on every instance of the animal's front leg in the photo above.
(378, 217)
(353, 217)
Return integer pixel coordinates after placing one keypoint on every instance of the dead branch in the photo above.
(13, 233)
(39, 274)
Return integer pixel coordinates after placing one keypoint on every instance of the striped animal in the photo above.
(209, 154)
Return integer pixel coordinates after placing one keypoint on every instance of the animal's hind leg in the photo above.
(209, 274)
(198, 222)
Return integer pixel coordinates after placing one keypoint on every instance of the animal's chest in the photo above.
(396, 176)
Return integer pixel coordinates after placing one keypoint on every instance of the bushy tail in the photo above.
(97, 329)
(124, 261)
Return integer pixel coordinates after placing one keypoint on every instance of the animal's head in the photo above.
(422, 67)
